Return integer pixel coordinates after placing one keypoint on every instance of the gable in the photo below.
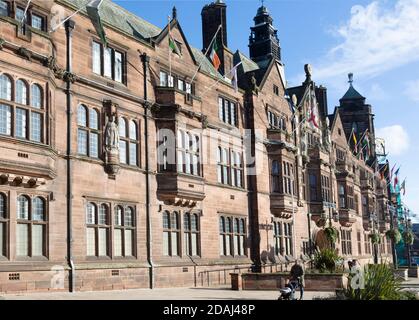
(337, 127)
(273, 75)
(162, 42)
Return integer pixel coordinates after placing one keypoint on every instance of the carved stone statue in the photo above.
(303, 141)
(112, 135)
(327, 139)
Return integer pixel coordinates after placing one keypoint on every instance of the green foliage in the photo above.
(331, 234)
(327, 260)
(375, 238)
(408, 295)
(408, 237)
(379, 283)
(394, 235)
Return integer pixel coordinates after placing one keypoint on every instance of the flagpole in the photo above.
(205, 54)
(26, 10)
(350, 135)
(360, 140)
(214, 84)
(170, 53)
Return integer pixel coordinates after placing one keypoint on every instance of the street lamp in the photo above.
(373, 223)
(407, 224)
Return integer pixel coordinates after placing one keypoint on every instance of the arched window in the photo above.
(171, 231)
(118, 215)
(31, 227)
(3, 225)
(82, 116)
(97, 237)
(36, 96)
(38, 210)
(5, 120)
(124, 232)
(191, 234)
(3, 206)
(5, 87)
(222, 167)
(225, 236)
(21, 92)
(133, 143)
(88, 131)
(23, 208)
(103, 214)
(122, 127)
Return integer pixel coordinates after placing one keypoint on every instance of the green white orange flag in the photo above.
(214, 56)
(173, 46)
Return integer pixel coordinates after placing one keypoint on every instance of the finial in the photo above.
(351, 78)
(174, 12)
(308, 70)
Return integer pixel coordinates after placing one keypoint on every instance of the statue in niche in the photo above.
(327, 140)
(303, 141)
(112, 135)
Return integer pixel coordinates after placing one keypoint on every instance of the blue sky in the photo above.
(376, 40)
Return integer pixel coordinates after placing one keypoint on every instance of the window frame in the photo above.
(227, 230)
(188, 232)
(173, 234)
(113, 65)
(27, 109)
(30, 222)
(5, 225)
(89, 131)
(128, 141)
(228, 111)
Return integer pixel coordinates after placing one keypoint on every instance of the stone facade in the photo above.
(80, 212)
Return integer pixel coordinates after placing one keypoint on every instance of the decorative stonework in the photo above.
(24, 53)
(111, 142)
(2, 42)
(18, 180)
(59, 73)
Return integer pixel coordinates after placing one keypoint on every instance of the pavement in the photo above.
(219, 293)
(223, 293)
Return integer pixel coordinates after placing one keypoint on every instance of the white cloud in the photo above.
(396, 137)
(412, 90)
(374, 40)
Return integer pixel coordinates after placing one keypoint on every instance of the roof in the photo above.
(206, 65)
(117, 17)
(352, 94)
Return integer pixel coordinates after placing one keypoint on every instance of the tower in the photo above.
(263, 41)
(214, 15)
(357, 115)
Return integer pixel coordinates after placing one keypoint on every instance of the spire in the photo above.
(352, 94)
(174, 13)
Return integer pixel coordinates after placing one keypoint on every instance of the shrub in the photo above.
(331, 234)
(380, 283)
(327, 260)
(394, 235)
(375, 238)
(408, 237)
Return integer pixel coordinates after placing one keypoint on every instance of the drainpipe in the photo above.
(69, 27)
(146, 60)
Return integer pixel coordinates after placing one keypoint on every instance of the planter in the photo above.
(312, 281)
(401, 273)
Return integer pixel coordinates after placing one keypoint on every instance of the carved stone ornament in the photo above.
(204, 120)
(327, 139)
(2, 42)
(111, 138)
(24, 53)
(253, 84)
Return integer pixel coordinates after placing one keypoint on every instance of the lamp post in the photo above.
(373, 223)
(407, 224)
(393, 226)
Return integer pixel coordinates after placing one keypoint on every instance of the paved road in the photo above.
(161, 294)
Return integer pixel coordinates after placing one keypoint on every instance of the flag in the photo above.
(93, 12)
(396, 181)
(366, 146)
(173, 46)
(391, 172)
(312, 117)
(214, 56)
(355, 142)
(397, 171)
(25, 12)
(403, 187)
(234, 79)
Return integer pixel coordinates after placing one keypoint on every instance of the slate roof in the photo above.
(125, 21)
(352, 94)
(119, 18)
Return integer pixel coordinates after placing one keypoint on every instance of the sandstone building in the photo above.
(118, 171)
